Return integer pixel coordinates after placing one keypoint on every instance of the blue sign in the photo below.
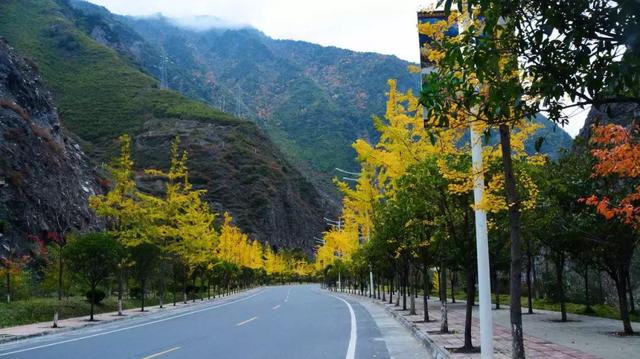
(432, 17)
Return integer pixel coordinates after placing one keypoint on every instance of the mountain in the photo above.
(45, 179)
(313, 101)
(616, 113)
(102, 92)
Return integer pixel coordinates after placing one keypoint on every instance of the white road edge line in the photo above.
(246, 321)
(276, 307)
(351, 350)
(161, 353)
(131, 327)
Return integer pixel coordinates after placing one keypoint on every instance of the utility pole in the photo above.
(482, 238)
(337, 223)
(368, 230)
(163, 70)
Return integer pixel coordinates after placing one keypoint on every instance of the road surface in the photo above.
(298, 321)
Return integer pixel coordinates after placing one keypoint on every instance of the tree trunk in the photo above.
(120, 287)
(398, 293)
(453, 282)
(497, 288)
(425, 297)
(391, 290)
(173, 287)
(193, 283)
(632, 304)
(416, 280)
(60, 272)
(162, 286)
(444, 320)
(517, 343)
(93, 291)
(536, 290)
(529, 291)
(560, 284)
(384, 297)
(621, 285)
(8, 278)
(412, 301)
(404, 288)
(471, 295)
(184, 289)
(142, 287)
(587, 298)
(601, 289)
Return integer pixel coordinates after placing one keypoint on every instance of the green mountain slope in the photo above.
(314, 101)
(102, 94)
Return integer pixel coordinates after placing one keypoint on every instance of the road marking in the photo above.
(246, 321)
(287, 298)
(351, 349)
(276, 307)
(131, 327)
(161, 353)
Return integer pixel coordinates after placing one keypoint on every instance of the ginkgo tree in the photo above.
(124, 207)
(182, 225)
(407, 140)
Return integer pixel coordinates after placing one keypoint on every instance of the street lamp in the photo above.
(482, 240)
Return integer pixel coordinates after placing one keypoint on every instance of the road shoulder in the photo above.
(11, 334)
(399, 340)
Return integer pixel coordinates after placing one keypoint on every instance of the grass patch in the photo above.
(38, 310)
(597, 310)
(41, 309)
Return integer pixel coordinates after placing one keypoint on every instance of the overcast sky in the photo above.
(383, 26)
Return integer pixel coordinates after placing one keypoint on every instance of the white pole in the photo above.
(482, 238)
(370, 282)
(482, 248)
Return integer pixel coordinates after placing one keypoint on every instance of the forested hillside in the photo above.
(102, 94)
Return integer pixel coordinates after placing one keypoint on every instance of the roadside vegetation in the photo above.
(158, 248)
(561, 231)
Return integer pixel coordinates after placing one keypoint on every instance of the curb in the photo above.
(436, 351)
(8, 338)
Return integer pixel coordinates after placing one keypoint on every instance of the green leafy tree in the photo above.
(145, 258)
(93, 258)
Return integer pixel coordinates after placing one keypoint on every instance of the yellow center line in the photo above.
(161, 353)
(246, 321)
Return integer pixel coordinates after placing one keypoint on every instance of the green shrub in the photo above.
(135, 293)
(95, 296)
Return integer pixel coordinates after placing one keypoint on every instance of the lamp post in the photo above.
(482, 239)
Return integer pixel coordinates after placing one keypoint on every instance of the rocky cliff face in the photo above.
(620, 114)
(102, 93)
(243, 174)
(45, 178)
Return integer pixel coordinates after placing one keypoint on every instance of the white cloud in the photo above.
(383, 26)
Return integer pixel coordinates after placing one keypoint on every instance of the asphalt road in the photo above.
(273, 322)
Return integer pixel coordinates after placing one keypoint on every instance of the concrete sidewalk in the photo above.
(36, 329)
(582, 337)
